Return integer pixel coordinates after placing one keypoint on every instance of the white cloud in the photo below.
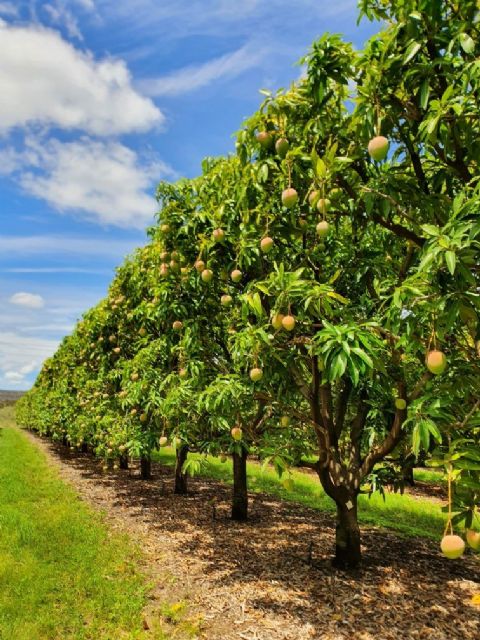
(194, 77)
(30, 300)
(45, 80)
(61, 15)
(102, 181)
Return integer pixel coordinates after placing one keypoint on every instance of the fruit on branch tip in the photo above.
(256, 374)
(335, 193)
(207, 275)
(143, 417)
(134, 377)
(142, 332)
(322, 229)
(282, 146)
(164, 256)
(133, 412)
(236, 275)
(452, 546)
(302, 223)
(473, 539)
(177, 325)
(378, 148)
(112, 338)
(182, 373)
(199, 265)
(400, 403)
(163, 441)
(218, 235)
(174, 266)
(236, 433)
(436, 361)
(323, 205)
(285, 421)
(117, 350)
(265, 139)
(288, 323)
(277, 319)
(184, 271)
(289, 197)
(226, 300)
(165, 228)
(164, 269)
(266, 244)
(175, 255)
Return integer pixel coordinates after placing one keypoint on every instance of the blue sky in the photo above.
(101, 99)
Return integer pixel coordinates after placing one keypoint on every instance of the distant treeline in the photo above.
(9, 397)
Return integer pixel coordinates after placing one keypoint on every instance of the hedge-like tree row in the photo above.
(314, 298)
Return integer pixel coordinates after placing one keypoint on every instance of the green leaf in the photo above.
(450, 259)
(467, 43)
(412, 51)
(431, 229)
(363, 356)
(424, 93)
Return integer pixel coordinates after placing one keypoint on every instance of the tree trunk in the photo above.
(240, 495)
(123, 462)
(348, 554)
(408, 477)
(145, 467)
(180, 477)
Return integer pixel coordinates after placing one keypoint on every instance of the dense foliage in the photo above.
(296, 291)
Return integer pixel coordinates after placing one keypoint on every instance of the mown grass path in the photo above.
(63, 574)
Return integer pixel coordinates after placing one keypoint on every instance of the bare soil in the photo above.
(255, 581)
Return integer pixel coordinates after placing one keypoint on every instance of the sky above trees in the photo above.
(101, 99)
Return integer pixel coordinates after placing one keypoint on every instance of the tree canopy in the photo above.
(317, 291)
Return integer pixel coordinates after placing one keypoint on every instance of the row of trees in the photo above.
(305, 299)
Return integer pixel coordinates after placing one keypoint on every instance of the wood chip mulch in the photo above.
(253, 581)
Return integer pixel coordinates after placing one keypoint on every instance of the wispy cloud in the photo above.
(64, 245)
(191, 78)
(42, 270)
(8, 9)
(21, 356)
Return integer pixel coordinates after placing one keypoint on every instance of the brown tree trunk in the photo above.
(123, 462)
(180, 477)
(240, 494)
(145, 467)
(348, 554)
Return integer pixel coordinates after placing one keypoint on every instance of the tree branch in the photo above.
(392, 439)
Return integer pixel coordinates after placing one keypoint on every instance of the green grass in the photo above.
(430, 476)
(403, 513)
(62, 573)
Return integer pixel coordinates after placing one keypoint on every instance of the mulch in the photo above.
(271, 578)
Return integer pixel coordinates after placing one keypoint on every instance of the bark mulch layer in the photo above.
(254, 581)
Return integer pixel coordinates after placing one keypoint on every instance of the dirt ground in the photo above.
(254, 581)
